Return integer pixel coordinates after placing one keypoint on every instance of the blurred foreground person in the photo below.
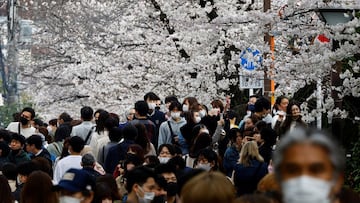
(309, 166)
(38, 189)
(211, 187)
(75, 187)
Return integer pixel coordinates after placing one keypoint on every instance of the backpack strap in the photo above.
(19, 128)
(171, 131)
(89, 133)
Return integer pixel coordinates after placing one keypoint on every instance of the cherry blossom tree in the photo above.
(108, 54)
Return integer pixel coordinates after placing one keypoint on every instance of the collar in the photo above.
(37, 154)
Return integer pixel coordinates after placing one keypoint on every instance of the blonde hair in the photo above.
(209, 187)
(249, 152)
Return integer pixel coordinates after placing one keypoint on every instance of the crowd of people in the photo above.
(185, 153)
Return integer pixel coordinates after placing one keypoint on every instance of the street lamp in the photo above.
(334, 16)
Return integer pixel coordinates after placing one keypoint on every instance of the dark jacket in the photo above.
(231, 157)
(18, 157)
(265, 151)
(246, 178)
(115, 154)
(93, 175)
(45, 154)
(186, 131)
(211, 123)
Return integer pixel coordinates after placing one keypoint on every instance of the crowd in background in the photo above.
(187, 152)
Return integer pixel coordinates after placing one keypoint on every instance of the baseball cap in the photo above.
(75, 180)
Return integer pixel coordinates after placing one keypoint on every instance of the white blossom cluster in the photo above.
(109, 53)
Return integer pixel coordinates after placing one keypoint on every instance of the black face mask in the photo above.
(158, 199)
(171, 189)
(23, 121)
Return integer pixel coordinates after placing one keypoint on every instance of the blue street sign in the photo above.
(250, 59)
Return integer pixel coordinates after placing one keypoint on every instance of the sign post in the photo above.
(250, 60)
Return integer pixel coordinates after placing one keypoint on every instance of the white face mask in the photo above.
(151, 106)
(68, 199)
(185, 108)
(175, 115)
(202, 113)
(197, 119)
(206, 166)
(306, 189)
(164, 160)
(148, 196)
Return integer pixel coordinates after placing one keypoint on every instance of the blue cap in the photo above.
(75, 180)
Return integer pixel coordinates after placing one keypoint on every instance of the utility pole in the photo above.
(11, 65)
(269, 85)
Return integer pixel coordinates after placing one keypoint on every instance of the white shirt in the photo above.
(66, 163)
(26, 132)
(94, 142)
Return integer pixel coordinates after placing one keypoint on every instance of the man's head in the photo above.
(64, 117)
(252, 99)
(141, 108)
(34, 143)
(309, 166)
(86, 113)
(141, 181)
(129, 132)
(87, 160)
(17, 142)
(152, 99)
(262, 106)
(27, 115)
(76, 144)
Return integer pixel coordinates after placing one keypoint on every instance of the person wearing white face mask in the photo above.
(156, 116)
(141, 185)
(166, 152)
(169, 131)
(207, 160)
(309, 166)
(188, 103)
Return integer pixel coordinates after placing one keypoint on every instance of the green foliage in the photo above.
(7, 111)
(352, 168)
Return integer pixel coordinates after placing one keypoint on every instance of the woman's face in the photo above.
(202, 160)
(239, 139)
(257, 138)
(295, 110)
(196, 117)
(165, 152)
(283, 104)
(248, 123)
